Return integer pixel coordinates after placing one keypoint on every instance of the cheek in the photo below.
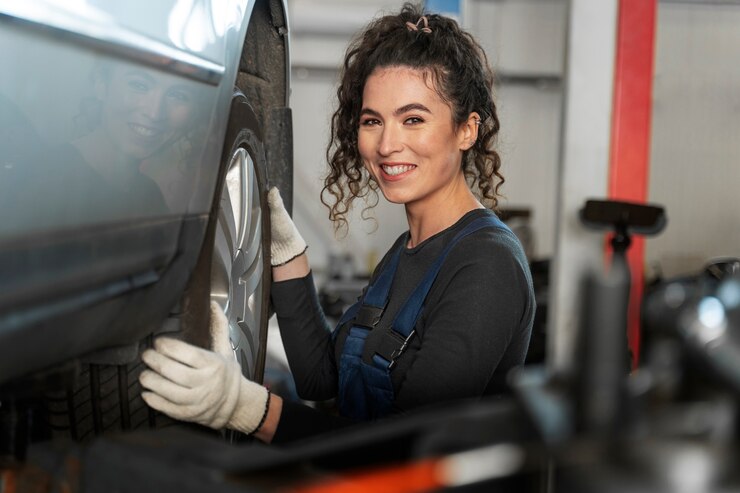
(366, 164)
(442, 144)
(366, 153)
(117, 104)
(431, 141)
(115, 113)
(179, 116)
(365, 146)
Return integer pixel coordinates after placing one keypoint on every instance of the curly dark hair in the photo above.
(462, 77)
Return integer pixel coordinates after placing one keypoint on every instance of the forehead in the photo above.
(399, 85)
(122, 72)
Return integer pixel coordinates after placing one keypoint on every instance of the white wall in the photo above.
(525, 42)
(695, 158)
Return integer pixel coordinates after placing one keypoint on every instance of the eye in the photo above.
(369, 122)
(413, 120)
(138, 85)
(179, 95)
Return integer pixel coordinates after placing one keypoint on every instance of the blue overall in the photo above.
(366, 390)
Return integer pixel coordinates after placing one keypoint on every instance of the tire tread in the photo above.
(103, 399)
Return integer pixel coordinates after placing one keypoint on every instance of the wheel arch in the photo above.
(264, 78)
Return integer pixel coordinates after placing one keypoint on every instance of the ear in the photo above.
(468, 132)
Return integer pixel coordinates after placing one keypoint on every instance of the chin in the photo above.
(396, 198)
(138, 151)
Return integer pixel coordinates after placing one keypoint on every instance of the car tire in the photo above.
(233, 269)
(102, 398)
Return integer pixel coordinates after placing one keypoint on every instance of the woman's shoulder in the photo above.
(436, 243)
(492, 245)
(495, 232)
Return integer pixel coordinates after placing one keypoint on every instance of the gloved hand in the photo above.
(189, 383)
(287, 242)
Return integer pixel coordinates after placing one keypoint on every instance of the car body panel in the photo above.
(109, 28)
(81, 51)
(111, 132)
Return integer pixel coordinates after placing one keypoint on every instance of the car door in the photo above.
(132, 175)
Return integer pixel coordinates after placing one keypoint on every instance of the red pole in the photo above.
(630, 139)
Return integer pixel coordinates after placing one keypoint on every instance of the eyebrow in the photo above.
(144, 75)
(399, 111)
(139, 73)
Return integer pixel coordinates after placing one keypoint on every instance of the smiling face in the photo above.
(408, 141)
(143, 110)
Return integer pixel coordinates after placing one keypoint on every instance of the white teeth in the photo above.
(397, 170)
(143, 131)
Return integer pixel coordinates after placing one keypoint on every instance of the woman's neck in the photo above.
(427, 218)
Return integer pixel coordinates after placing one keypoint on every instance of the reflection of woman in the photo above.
(141, 112)
(135, 115)
(448, 311)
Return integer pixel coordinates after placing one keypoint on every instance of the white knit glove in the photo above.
(189, 383)
(287, 242)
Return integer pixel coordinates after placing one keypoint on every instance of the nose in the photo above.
(154, 106)
(390, 140)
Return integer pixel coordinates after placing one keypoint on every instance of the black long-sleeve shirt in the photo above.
(475, 326)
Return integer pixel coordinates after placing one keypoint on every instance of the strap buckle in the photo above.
(368, 316)
(398, 352)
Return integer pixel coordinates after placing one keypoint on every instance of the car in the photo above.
(137, 143)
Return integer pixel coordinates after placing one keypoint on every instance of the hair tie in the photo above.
(415, 27)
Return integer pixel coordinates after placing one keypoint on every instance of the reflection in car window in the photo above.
(130, 151)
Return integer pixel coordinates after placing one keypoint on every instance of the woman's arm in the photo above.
(306, 337)
(303, 328)
(298, 267)
(267, 431)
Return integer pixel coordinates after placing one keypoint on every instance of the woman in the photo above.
(135, 116)
(449, 309)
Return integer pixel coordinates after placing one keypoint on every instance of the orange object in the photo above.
(411, 478)
(7, 481)
(630, 138)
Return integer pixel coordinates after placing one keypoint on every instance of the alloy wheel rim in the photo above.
(237, 269)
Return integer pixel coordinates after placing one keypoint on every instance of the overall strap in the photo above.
(377, 293)
(405, 320)
(369, 308)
